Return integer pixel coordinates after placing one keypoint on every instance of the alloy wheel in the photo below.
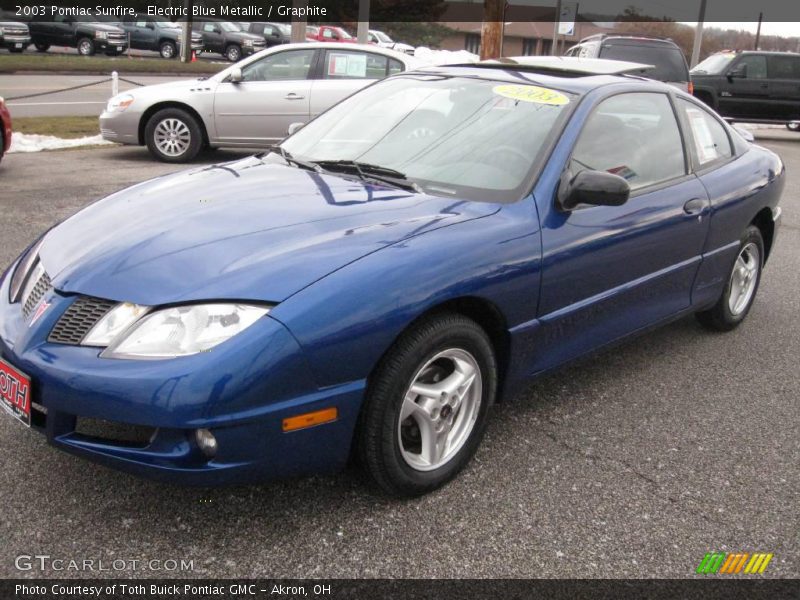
(172, 137)
(744, 279)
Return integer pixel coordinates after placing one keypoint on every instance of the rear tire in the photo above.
(427, 405)
(740, 291)
(173, 135)
(793, 126)
(86, 47)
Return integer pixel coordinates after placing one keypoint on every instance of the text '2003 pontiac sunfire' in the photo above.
(372, 285)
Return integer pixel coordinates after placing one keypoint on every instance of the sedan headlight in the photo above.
(119, 103)
(23, 269)
(183, 330)
(115, 321)
(101, 35)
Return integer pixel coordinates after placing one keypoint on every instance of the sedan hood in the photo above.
(245, 230)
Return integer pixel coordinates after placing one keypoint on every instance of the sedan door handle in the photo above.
(293, 96)
(694, 206)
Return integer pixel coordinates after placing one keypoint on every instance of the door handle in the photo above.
(694, 206)
(293, 96)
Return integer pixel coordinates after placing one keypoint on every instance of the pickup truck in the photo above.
(157, 34)
(228, 39)
(329, 33)
(14, 36)
(84, 33)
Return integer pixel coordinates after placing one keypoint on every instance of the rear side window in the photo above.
(635, 136)
(710, 141)
(784, 67)
(348, 64)
(668, 60)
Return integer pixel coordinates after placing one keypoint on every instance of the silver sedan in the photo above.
(250, 104)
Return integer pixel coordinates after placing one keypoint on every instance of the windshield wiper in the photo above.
(374, 172)
(278, 149)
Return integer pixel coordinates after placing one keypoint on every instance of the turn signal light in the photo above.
(318, 417)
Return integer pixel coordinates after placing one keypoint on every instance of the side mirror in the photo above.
(739, 72)
(150, 25)
(294, 127)
(236, 75)
(598, 188)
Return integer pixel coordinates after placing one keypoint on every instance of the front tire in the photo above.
(233, 53)
(168, 50)
(793, 126)
(740, 291)
(86, 47)
(173, 135)
(42, 47)
(427, 405)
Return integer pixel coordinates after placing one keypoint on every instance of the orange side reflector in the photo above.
(691, 88)
(326, 415)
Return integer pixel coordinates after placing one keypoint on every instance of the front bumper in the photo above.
(121, 127)
(16, 42)
(241, 391)
(248, 50)
(110, 45)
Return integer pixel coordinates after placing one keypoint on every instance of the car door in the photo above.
(744, 91)
(140, 35)
(784, 85)
(611, 270)
(344, 72)
(212, 37)
(274, 94)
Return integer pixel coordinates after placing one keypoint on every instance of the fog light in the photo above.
(206, 442)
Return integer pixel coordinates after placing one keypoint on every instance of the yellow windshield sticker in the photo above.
(531, 93)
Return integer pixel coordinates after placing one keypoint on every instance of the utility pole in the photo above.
(698, 35)
(186, 32)
(554, 47)
(758, 31)
(492, 29)
(298, 23)
(363, 22)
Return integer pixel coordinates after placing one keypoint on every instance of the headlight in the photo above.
(2, 31)
(117, 320)
(183, 330)
(119, 103)
(248, 42)
(23, 269)
(101, 35)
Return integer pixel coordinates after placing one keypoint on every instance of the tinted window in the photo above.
(209, 27)
(347, 64)
(784, 67)
(281, 66)
(634, 136)
(710, 141)
(755, 67)
(395, 66)
(668, 60)
(257, 28)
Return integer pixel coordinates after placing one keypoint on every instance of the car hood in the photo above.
(111, 28)
(245, 230)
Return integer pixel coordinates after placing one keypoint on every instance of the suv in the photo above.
(760, 87)
(83, 33)
(226, 38)
(667, 58)
(14, 36)
(160, 35)
(273, 33)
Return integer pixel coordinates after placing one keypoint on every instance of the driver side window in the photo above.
(754, 66)
(281, 66)
(635, 136)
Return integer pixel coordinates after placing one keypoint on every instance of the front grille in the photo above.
(13, 32)
(117, 38)
(123, 434)
(35, 295)
(78, 320)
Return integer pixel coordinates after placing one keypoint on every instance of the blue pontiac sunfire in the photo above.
(372, 285)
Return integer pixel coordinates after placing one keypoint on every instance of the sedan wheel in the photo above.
(740, 291)
(427, 405)
(173, 135)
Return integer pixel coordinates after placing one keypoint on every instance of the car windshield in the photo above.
(284, 28)
(228, 26)
(715, 64)
(668, 60)
(451, 136)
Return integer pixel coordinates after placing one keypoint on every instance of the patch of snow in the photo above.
(32, 142)
(444, 57)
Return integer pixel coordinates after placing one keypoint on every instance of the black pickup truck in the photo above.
(84, 33)
(157, 34)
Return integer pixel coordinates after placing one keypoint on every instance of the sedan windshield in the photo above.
(451, 136)
(714, 64)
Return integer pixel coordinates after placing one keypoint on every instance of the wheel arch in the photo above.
(763, 220)
(147, 115)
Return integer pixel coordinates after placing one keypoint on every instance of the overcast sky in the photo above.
(784, 29)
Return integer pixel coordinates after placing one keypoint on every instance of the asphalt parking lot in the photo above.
(633, 463)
